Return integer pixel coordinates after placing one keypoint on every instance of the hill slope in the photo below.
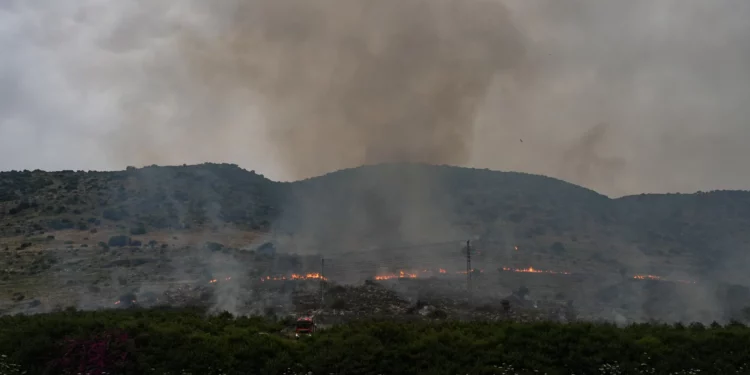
(387, 205)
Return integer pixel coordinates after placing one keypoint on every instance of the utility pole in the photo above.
(468, 268)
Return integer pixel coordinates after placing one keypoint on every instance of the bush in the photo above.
(138, 230)
(118, 241)
(136, 341)
(338, 304)
(115, 214)
(60, 224)
(214, 246)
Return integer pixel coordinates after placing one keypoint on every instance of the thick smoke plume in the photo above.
(339, 83)
(294, 88)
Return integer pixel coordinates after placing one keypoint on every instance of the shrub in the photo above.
(214, 246)
(115, 214)
(60, 224)
(118, 241)
(187, 340)
(138, 230)
(106, 353)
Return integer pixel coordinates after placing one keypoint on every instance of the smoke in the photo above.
(333, 84)
(301, 88)
(328, 85)
(296, 89)
(584, 162)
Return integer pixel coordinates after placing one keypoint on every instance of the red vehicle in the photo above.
(304, 326)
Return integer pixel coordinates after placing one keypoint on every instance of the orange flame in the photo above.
(401, 275)
(273, 278)
(534, 270)
(309, 276)
(294, 276)
(647, 277)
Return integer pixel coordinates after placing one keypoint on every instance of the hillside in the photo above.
(103, 234)
(379, 206)
(154, 197)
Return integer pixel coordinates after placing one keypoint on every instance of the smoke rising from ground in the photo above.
(335, 83)
(296, 88)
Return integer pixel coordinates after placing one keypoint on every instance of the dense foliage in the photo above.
(176, 341)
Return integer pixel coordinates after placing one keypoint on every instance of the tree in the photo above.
(138, 229)
(522, 292)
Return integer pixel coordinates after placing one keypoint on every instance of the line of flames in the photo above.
(659, 278)
(413, 274)
(294, 276)
(534, 270)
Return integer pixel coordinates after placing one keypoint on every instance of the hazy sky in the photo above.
(620, 96)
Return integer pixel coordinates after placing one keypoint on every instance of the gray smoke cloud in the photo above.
(297, 88)
(335, 83)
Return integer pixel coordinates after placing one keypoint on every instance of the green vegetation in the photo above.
(561, 219)
(119, 241)
(171, 341)
(139, 199)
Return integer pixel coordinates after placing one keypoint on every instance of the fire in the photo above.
(309, 276)
(273, 278)
(294, 276)
(659, 278)
(647, 277)
(466, 272)
(400, 275)
(534, 270)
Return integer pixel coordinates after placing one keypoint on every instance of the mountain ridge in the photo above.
(387, 204)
